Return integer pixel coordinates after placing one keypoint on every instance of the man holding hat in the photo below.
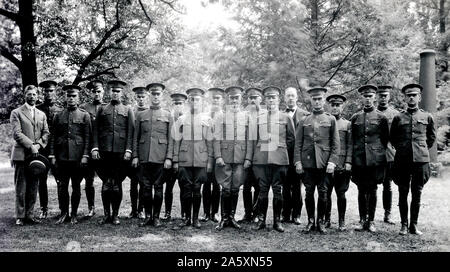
(230, 151)
(112, 144)
(50, 108)
(178, 103)
(383, 95)
(412, 134)
(69, 151)
(96, 88)
(370, 135)
(341, 178)
(292, 194)
(30, 131)
(211, 198)
(193, 154)
(316, 154)
(137, 195)
(254, 98)
(275, 136)
(153, 150)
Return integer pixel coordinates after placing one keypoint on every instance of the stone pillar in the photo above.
(427, 79)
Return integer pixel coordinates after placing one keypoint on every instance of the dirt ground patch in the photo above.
(128, 236)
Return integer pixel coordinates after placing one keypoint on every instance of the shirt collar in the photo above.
(29, 107)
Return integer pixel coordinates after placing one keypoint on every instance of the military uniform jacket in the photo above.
(412, 134)
(390, 113)
(92, 109)
(275, 136)
(193, 140)
(71, 135)
(370, 134)
(231, 136)
(50, 112)
(28, 131)
(317, 141)
(152, 141)
(299, 115)
(345, 138)
(113, 128)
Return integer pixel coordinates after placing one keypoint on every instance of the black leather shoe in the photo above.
(205, 218)
(196, 223)
(105, 220)
(327, 223)
(73, 220)
(64, 217)
(222, 224)
(297, 220)
(342, 225)
(256, 219)
(278, 226)
(133, 214)
(371, 227)
(215, 217)
(91, 212)
(321, 226)
(166, 216)
(387, 218)
(156, 222)
(141, 215)
(31, 221)
(19, 222)
(147, 222)
(284, 219)
(310, 226)
(260, 225)
(115, 220)
(43, 214)
(362, 225)
(233, 223)
(413, 229)
(183, 216)
(246, 218)
(404, 229)
(185, 223)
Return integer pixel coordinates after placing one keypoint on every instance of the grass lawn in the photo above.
(434, 221)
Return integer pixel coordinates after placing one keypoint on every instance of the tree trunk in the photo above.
(315, 18)
(28, 42)
(442, 16)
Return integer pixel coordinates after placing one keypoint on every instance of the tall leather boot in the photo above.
(263, 204)
(310, 226)
(148, 221)
(403, 208)
(342, 206)
(277, 205)
(106, 200)
(372, 208)
(415, 207)
(387, 202)
(321, 209)
(224, 213)
(328, 208)
(362, 206)
(195, 211)
(233, 201)
(157, 203)
(186, 206)
(115, 217)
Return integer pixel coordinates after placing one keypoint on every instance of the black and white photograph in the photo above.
(225, 133)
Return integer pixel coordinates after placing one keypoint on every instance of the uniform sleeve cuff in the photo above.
(86, 156)
(129, 151)
(94, 149)
(51, 156)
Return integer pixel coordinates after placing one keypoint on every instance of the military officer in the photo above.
(193, 154)
(178, 103)
(412, 134)
(136, 195)
(211, 198)
(292, 194)
(69, 151)
(153, 150)
(254, 98)
(112, 144)
(383, 95)
(370, 135)
(341, 179)
(97, 92)
(316, 154)
(50, 108)
(270, 159)
(30, 132)
(230, 149)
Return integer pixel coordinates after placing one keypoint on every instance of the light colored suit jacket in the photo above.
(28, 131)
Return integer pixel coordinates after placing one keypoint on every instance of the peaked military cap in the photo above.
(367, 89)
(116, 83)
(178, 97)
(412, 88)
(252, 91)
(316, 90)
(195, 92)
(139, 90)
(336, 98)
(94, 84)
(155, 85)
(71, 88)
(384, 89)
(234, 90)
(271, 90)
(47, 84)
(218, 91)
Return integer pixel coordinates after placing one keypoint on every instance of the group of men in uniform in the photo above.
(222, 149)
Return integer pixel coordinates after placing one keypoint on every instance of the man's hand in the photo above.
(53, 161)
(127, 156)
(84, 162)
(167, 164)
(175, 166)
(34, 150)
(95, 155)
(247, 164)
(299, 168)
(209, 166)
(220, 162)
(348, 167)
(330, 168)
(135, 162)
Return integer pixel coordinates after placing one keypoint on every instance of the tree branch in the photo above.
(171, 5)
(10, 15)
(370, 78)
(9, 56)
(145, 12)
(342, 62)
